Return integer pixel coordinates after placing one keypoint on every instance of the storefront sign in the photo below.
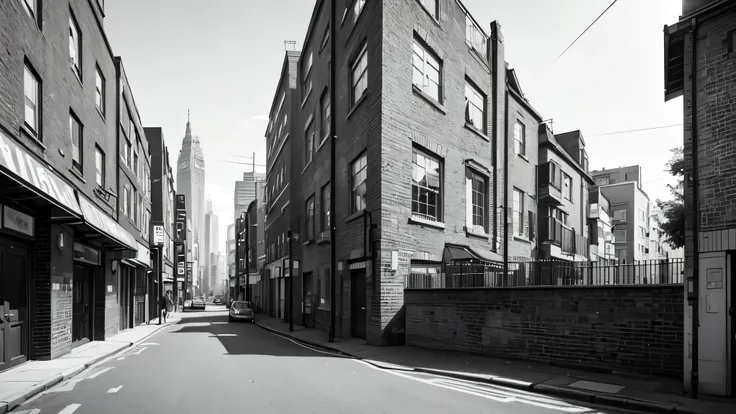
(180, 218)
(41, 178)
(105, 224)
(17, 221)
(158, 235)
(143, 255)
(86, 254)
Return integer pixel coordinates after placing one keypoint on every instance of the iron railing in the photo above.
(551, 273)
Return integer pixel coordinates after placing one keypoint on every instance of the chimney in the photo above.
(290, 45)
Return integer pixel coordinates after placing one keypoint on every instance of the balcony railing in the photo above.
(551, 230)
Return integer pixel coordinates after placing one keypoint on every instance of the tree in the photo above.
(672, 229)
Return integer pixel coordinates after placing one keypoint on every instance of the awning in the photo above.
(457, 253)
(24, 168)
(142, 257)
(100, 221)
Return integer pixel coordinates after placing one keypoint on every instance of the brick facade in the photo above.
(601, 328)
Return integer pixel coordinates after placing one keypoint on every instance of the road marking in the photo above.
(229, 334)
(138, 352)
(33, 411)
(65, 387)
(100, 372)
(69, 409)
(150, 344)
(114, 390)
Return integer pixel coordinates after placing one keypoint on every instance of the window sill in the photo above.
(357, 104)
(424, 222)
(307, 166)
(24, 129)
(430, 100)
(522, 239)
(477, 132)
(306, 97)
(77, 174)
(477, 235)
(523, 157)
(354, 216)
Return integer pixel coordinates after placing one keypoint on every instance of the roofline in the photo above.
(465, 9)
(310, 28)
(705, 9)
(568, 159)
(124, 76)
(284, 70)
(101, 27)
(524, 102)
(636, 187)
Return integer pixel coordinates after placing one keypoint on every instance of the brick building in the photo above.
(60, 244)
(700, 63)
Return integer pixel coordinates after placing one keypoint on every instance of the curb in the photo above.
(8, 406)
(611, 400)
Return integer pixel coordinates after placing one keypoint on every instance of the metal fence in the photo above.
(551, 273)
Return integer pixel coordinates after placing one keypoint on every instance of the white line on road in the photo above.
(229, 334)
(100, 372)
(33, 411)
(150, 344)
(138, 352)
(114, 390)
(69, 409)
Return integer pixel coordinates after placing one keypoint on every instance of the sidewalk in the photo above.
(28, 379)
(626, 391)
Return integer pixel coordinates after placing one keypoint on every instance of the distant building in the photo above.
(210, 245)
(247, 190)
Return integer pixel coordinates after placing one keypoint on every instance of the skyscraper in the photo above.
(210, 246)
(190, 182)
(247, 191)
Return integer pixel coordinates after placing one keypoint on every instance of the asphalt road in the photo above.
(206, 365)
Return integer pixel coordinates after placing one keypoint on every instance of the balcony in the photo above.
(558, 234)
(550, 183)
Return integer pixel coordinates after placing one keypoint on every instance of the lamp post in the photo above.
(238, 223)
(247, 257)
(291, 283)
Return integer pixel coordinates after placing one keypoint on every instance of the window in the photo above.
(426, 195)
(619, 236)
(560, 215)
(427, 68)
(567, 186)
(309, 222)
(75, 47)
(475, 37)
(359, 75)
(475, 105)
(324, 289)
(619, 215)
(134, 203)
(31, 7)
(128, 153)
(432, 7)
(100, 91)
(126, 200)
(359, 174)
(32, 93)
(477, 201)
(325, 216)
(518, 218)
(357, 9)
(326, 114)
(520, 138)
(325, 38)
(307, 81)
(99, 167)
(601, 181)
(309, 143)
(555, 175)
(75, 135)
(135, 162)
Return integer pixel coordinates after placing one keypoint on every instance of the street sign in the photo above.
(180, 268)
(180, 219)
(158, 235)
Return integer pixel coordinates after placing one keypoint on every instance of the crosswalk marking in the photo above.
(114, 390)
(69, 409)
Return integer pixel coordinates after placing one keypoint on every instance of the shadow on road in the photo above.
(243, 338)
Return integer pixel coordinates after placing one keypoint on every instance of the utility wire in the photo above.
(581, 34)
(634, 130)
(243, 163)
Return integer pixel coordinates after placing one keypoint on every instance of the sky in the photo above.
(221, 59)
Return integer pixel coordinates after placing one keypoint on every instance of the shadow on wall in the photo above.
(395, 332)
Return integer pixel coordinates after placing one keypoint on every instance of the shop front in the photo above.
(135, 274)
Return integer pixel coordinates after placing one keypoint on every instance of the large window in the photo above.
(426, 189)
(359, 75)
(567, 186)
(309, 222)
(359, 174)
(619, 236)
(75, 135)
(427, 68)
(100, 91)
(306, 79)
(99, 167)
(309, 143)
(75, 47)
(325, 215)
(477, 201)
(432, 7)
(126, 200)
(475, 107)
(32, 93)
(518, 218)
(357, 9)
(326, 114)
(520, 138)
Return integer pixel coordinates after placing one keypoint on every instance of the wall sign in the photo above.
(17, 221)
(158, 235)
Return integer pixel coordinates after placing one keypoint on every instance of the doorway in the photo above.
(14, 315)
(358, 303)
(82, 305)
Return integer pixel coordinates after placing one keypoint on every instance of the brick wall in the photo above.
(636, 329)
(61, 277)
(41, 292)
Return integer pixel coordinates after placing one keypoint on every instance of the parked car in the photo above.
(241, 311)
(198, 304)
(217, 301)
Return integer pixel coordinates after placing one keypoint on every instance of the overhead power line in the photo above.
(634, 130)
(584, 31)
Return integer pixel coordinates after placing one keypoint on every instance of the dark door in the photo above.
(358, 303)
(307, 297)
(14, 270)
(732, 314)
(81, 304)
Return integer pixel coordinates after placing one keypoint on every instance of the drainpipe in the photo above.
(695, 303)
(505, 182)
(333, 139)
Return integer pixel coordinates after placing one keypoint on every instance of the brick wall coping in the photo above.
(663, 285)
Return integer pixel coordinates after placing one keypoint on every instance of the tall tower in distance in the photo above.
(190, 182)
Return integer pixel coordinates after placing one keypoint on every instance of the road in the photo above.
(206, 365)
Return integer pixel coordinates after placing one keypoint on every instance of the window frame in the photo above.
(36, 128)
(355, 64)
(518, 209)
(76, 65)
(77, 164)
(358, 7)
(436, 13)
(99, 166)
(355, 207)
(520, 138)
(438, 217)
(427, 54)
(325, 114)
(325, 219)
(471, 87)
(309, 142)
(309, 217)
(473, 176)
(567, 188)
(100, 90)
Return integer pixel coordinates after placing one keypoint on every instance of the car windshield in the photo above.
(241, 305)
